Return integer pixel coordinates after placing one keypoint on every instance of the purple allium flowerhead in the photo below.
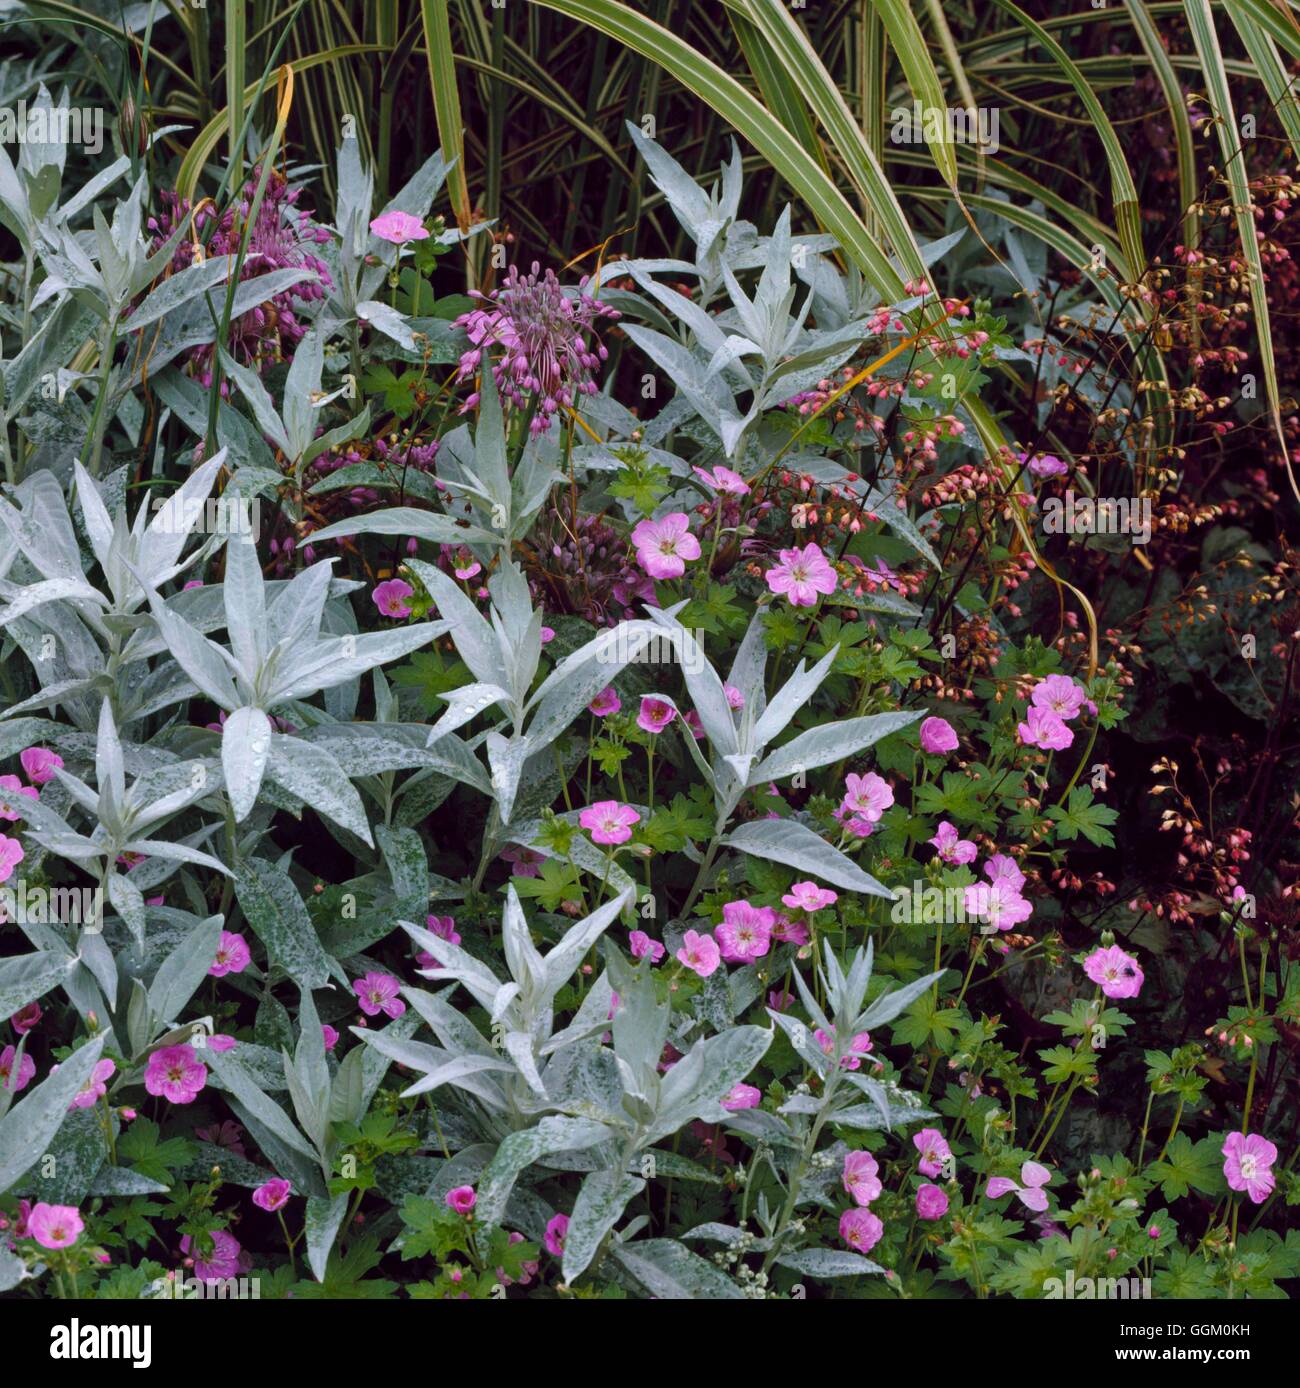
(1248, 1165)
(176, 1074)
(547, 349)
(801, 575)
(280, 239)
(1117, 972)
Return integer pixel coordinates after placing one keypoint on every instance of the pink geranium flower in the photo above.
(1058, 694)
(393, 596)
(1247, 1165)
(220, 1042)
(11, 854)
(272, 1195)
(745, 933)
(938, 737)
(605, 703)
(866, 797)
(655, 715)
(723, 479)
(226, 1259)
(232, 955)
(664, 546)
(1044, 464)
(860, 1177)
(556, 1228)
(26, 1018)
(859, 1046)
(1002, 867)
(54, 1226)
(951, 847)
(699, 953)
(1033, 1176)
(228, 1135)
(1042, 728)
(643, 947)
(524, 862)
(788, 932)
(931, 1202)
(378, 993)
(12, 792)
(861, 1230)
(40, 764)
(801, 575)
(741, 1096)
(398, 227)
(609, 822)
(94, 1088)
(329, 1035)
(11, 1081)
(175, 1073)
(934, 1150)
(1117, 972)
(462, 1199)
(808, 896)
(735, 697)
(999, 903)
